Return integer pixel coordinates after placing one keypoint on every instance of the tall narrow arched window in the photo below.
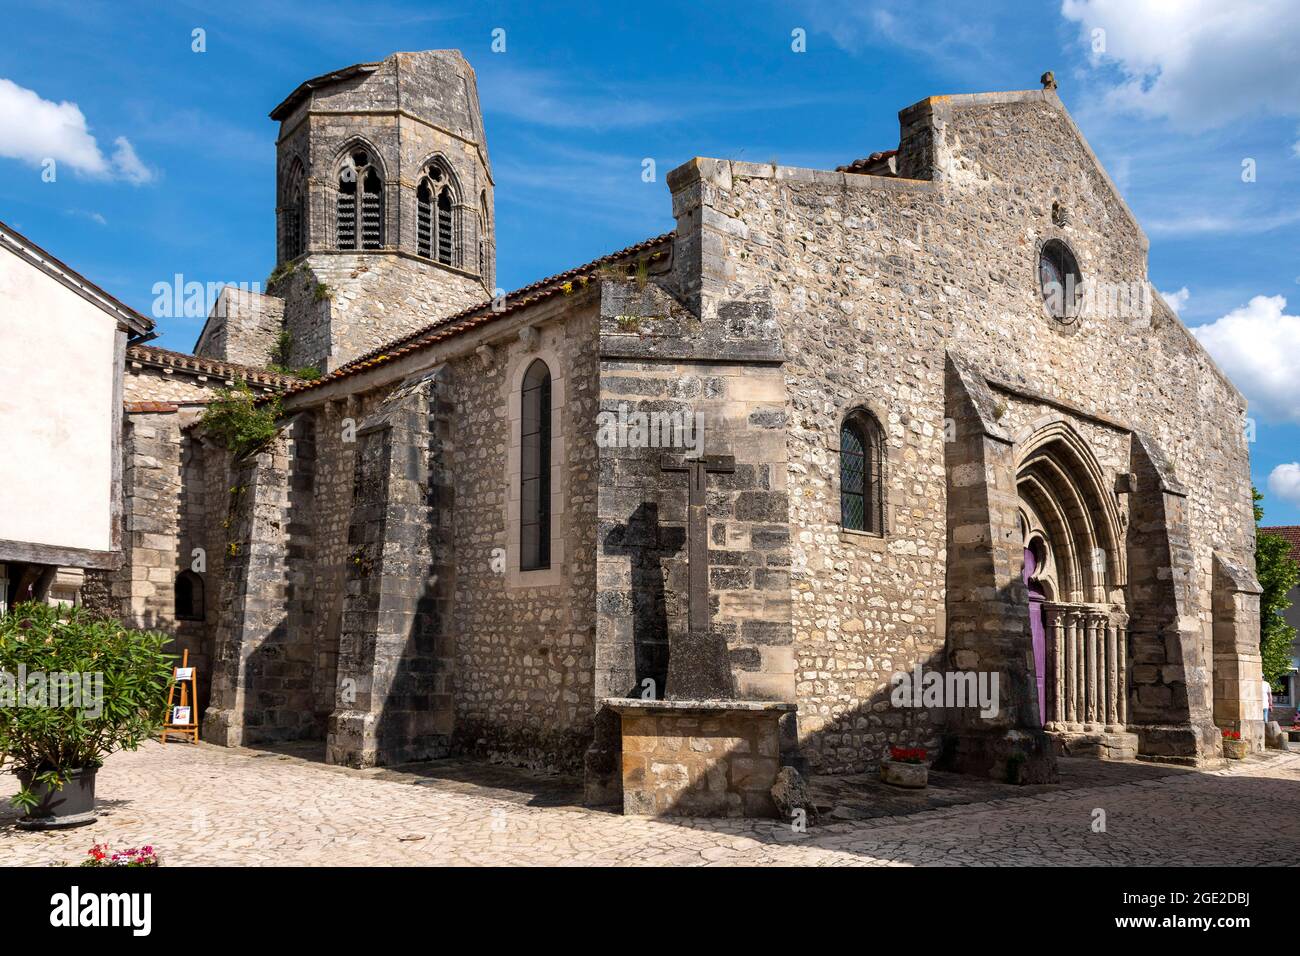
(535, 469)
(482, 245)
(359, 210)
(294, 213)
(188, 594)
(482, 233)
(435, 235)
(862, 478)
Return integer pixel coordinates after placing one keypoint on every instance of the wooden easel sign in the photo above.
(182, 703)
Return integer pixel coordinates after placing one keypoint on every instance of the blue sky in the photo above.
(165, 157)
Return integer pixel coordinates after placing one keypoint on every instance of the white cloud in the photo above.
(1256, 345)
(90, 214)
(1284, 481)
(1201, 63)
(1176, 300)
(128, 164)
(1237, 221)
(34, 130)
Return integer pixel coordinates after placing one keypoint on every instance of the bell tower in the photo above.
(384, 205)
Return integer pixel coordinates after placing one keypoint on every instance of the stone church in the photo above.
(927, 417)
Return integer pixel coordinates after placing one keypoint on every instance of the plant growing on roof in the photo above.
(238, 423)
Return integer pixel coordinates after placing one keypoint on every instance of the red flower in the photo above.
(907, 754)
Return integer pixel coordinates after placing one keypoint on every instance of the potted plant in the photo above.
(74, 687)
(1234, 748)
(906, 767)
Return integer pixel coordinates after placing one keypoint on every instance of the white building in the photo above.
(61, 369)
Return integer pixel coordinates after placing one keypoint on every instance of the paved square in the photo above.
(210, 805)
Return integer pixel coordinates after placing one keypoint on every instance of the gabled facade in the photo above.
(922, 452)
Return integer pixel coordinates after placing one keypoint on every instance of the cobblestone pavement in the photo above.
(208, 805)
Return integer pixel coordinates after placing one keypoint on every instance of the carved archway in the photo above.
(1076, 572)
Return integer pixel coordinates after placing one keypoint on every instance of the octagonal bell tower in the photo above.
(384, 205)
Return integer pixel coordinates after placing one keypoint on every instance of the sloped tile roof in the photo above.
(198, 365)
(1289, 531)
(483, 313)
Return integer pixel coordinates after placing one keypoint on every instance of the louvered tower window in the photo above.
(294, 215)
(435, 235)
(862, 474)
(360, 225)
(424, 220)
(482, 234)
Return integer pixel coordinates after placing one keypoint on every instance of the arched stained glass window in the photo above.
(862, 480)
(535, 469)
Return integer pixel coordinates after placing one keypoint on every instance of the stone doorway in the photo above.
(1074, 573)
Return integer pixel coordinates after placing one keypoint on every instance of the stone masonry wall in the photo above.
(140, 591)
(244, 327)
(524, 654)
(396, 649)
(339, 306)
(873, 281)
(262, 670)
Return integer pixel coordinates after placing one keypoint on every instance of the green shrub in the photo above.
(102, 688)
(283, 345)
(238, 423)
(282, 271)
(307, 372)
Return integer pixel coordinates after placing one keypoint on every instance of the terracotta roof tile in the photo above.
(480, 314)
(134, 407)
(877, 164)
(1289, 531)
(198, 365)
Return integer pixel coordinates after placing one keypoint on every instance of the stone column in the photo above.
(1056, 628)
(1091, 674)
(1121, 693)
(1079, 657)
(1112, 679)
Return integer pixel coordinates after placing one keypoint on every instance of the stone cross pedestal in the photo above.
(698, 667)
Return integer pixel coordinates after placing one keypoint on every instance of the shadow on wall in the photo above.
(647, 543)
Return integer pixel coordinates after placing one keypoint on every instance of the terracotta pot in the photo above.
(911, 775)
(71, 806)
(1235, 749)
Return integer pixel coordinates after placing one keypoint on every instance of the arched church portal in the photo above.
(1075, 575)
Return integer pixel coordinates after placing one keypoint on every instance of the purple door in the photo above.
(1039, 634)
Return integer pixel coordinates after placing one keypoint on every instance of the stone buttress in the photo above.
(396, 653)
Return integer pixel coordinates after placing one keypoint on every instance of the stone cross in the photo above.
(698, 668)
